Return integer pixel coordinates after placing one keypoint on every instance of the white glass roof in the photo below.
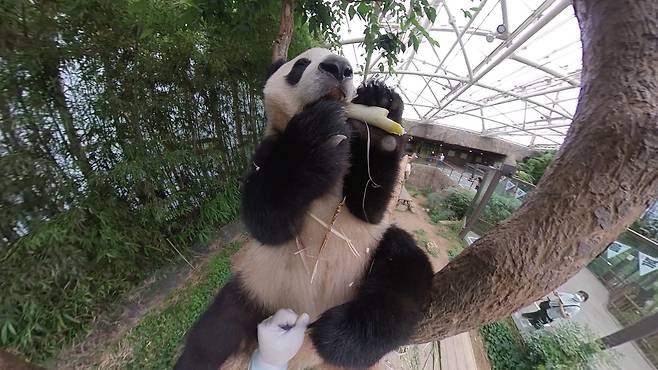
(511, 71)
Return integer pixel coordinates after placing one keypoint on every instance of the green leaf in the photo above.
(363, 9)
(351, 11)
(431, 13)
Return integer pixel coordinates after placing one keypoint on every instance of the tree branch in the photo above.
(600, 182)
(282, 41)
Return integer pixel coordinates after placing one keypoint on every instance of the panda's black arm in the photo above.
(228, 325)
(369, 184)
(371, 180)
(386, 310)
(292, 169)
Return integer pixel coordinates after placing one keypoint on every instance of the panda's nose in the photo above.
(337, 66)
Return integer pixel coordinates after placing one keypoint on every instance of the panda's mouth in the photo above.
(335, 94)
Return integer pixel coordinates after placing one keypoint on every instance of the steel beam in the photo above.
(452, 22)
(545, 69)
(550, 15)
(526, 96)
(502, 91)
(459, 36)
(503, 131)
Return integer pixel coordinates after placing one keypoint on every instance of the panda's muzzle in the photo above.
(336, 66)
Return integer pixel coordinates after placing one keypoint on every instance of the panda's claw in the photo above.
(337, 139)
(376, 93)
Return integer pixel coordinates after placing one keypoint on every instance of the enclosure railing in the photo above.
(465, 177)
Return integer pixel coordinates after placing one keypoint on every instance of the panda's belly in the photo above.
(280, 276)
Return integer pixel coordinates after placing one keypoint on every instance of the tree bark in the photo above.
(640, 329)
(282, 41)
(601, 180)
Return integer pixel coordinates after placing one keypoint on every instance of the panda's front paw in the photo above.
(317, 138)
(345, 339)
(376, 93)
(321, 123)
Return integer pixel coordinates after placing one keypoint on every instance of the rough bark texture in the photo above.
(282, 41)
(600, 182)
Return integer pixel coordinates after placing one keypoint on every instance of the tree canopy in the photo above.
(124, 128)
(532, 168)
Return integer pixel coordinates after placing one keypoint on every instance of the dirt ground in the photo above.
(418, 220)
(416, 357)
(427, 356)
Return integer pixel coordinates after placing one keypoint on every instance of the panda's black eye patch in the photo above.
(297, 71)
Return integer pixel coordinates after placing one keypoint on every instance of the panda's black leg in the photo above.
(371, 179)
(386, 310)
(228, 324)
(294, 168)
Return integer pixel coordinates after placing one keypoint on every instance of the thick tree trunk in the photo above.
(601, 180)
(282, 41)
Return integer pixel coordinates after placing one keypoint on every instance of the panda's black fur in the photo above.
(290, 170)
(303, 154)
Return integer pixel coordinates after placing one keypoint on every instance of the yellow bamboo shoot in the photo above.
(374, 116)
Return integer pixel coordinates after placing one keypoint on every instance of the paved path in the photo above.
(457, 353)
(595, 315)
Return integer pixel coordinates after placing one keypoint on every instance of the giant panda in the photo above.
(365, 300)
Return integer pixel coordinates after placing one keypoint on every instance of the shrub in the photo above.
(441, 214)
(455, 251)
(458, 200)
(499, 208)
(426, 191)
(567, 346)
(59, 277)
(450, 204)
(504, 346)
(531, 169)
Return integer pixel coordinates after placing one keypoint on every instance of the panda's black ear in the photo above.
(274, 67)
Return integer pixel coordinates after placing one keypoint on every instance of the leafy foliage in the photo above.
(450, 204)
(499, 208)
(566, 346)
(532, 168)
(505, 349)
(157, 339)
(450, 232)
(325, 20)
(124, 126)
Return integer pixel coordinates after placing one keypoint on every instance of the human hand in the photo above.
(280, 336)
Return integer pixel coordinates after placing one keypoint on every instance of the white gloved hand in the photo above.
(279, 338)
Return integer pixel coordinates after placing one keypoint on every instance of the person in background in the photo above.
(477, 186)
(563, 306)
(431, 158)
(279, 338)
(441, 157)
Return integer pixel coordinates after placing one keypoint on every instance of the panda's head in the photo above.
(311, 76)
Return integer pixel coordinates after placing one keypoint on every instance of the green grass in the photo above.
(421, 238)
(450, 232)
(156, 341)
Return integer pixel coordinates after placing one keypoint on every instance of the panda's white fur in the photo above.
(280, 276)
(338, 269)
(283, 101)
(362, 302)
